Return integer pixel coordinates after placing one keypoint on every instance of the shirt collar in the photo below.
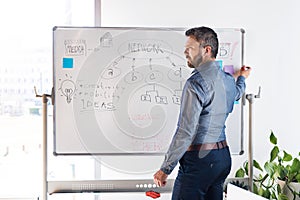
(206, 66)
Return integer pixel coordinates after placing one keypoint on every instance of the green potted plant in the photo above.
(277, 178)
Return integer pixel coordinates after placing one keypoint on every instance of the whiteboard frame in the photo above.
(242, 104)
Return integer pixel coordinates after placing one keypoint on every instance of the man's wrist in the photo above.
(166, 171)
(241, 77)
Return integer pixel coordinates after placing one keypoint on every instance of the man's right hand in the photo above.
(244, 71)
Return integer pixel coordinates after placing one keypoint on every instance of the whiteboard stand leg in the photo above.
(44, 143)
(250, 98)
(44, 147)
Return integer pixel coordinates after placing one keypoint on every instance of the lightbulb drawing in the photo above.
(68, 88)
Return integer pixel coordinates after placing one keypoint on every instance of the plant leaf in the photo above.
(298, 178)
(282, 197)
(267, 194)
(255, 189)
(256, 165)
(282, 172)
(295, 166)
(270, 168)
(274, 153)
(273, 195)
(246, 168)
(278, 188)
(273, 139)
(240, 173)
(260, 191)
(286, 156)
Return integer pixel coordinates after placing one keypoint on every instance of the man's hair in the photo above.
(206, 36)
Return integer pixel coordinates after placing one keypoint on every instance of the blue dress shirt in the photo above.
(207, 99)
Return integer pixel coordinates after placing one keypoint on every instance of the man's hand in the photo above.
(160, 178)
(244, 71)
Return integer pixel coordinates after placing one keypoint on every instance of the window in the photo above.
(26, 61)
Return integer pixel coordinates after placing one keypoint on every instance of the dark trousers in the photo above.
(202, 174)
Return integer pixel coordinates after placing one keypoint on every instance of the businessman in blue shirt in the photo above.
(199, 143)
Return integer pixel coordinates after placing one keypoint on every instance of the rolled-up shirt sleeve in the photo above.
(190, 110)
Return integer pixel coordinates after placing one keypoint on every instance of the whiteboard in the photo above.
(117, 90)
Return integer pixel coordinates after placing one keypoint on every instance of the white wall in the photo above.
(272, 45)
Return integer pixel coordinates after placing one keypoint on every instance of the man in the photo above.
(199, 143)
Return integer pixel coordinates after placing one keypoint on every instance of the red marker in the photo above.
(245, 68)
(153, 194)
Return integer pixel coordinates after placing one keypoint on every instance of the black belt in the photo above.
(208, 146)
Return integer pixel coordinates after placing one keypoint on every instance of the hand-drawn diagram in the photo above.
(67, 88)
(129, 85)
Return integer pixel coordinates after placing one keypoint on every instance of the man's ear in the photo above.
(208, 49)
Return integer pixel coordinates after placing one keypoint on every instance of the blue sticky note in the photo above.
(68, 63)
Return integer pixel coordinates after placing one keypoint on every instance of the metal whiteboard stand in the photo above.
(250, 98)
(51, 187)
(45, 141)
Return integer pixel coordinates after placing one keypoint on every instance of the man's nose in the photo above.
(185, 52)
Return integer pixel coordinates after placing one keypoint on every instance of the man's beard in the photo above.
(190, 64)
(197, 61)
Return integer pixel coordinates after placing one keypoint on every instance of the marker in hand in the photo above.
(245, 71)
(246, 68)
